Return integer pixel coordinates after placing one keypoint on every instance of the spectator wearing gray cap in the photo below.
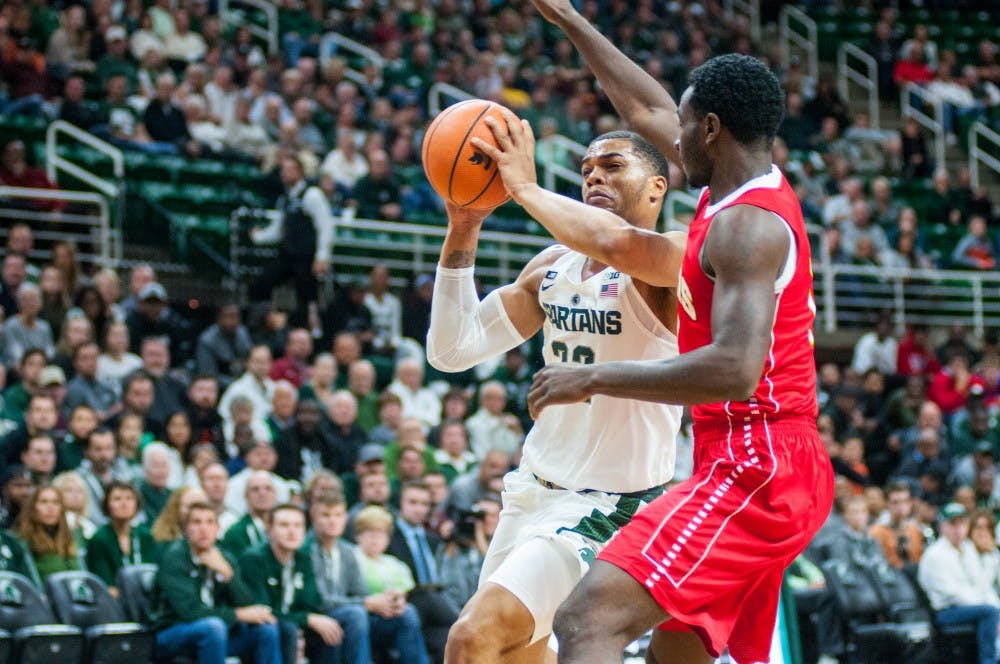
(154, 318)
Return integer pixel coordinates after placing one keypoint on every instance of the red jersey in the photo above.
(787, 384)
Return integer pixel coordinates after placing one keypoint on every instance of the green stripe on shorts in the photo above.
(600, 527)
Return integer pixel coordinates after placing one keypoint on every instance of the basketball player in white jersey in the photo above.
(586, 468)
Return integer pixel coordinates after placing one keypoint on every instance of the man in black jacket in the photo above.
(306, 447)
(304, 232)
(165, 122)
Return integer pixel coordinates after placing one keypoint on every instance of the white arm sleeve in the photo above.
(465, 331)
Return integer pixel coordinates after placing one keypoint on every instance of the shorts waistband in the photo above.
(775, 424)
(655, 490)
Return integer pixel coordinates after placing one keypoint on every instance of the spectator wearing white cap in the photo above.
(115, 62)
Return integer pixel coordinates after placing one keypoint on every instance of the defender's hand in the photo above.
(554, 11)
(558, 384)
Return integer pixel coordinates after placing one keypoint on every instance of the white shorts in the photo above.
(547, 539)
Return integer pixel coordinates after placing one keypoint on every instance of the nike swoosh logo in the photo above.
(547, 286)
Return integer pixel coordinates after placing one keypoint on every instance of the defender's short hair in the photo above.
(743, 92)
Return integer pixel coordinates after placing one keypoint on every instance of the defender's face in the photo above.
(690, 144)
(614, 177)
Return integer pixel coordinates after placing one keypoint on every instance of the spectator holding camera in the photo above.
(460, 560)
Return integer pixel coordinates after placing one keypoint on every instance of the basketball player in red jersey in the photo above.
(707, 558)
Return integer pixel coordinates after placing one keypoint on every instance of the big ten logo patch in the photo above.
(684, 297)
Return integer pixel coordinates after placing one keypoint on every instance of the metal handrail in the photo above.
(268, 34)
(751, 9)
(978, 154)
(934, 123)
(56, 162)
(867, 80)
(787, 37)
(110, 251)
(677, 198)
(342, 42)
(441, 89)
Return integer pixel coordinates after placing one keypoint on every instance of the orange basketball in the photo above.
(458, 171)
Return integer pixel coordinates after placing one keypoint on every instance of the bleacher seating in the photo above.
(82, 599)
(38, 638)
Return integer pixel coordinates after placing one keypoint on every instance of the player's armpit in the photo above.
(745, 250)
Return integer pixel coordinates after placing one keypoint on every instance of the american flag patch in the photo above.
(609, 290)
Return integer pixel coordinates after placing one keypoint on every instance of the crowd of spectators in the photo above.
(130, 435)
(127, 438)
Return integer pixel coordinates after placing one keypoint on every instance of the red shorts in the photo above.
(712, 550)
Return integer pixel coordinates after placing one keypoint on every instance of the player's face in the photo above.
(690, 144)
(614, 177)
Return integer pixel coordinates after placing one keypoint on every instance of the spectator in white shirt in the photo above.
(259, 457)
(386, 311)
(949, 574)
(490, 428)
(254, 384)
(184, 44)
(344, 163)
(877, 349)
(838, 208)
(418, 401)
(221, 94)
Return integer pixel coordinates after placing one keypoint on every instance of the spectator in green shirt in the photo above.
(14, 557)
(118, 543)
(43, 527)
(279, 574)
(202, 607)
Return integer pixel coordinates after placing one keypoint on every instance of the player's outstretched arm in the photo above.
(464, 331)
(644, 254)
(746, 249)
(636, 95)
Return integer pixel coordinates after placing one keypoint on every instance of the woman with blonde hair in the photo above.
(76, 502)
(42, 526)
(169, 526)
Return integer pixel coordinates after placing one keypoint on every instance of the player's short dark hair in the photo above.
(649, 154)
(743, 92)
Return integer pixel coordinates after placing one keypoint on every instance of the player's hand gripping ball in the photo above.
(459, 172)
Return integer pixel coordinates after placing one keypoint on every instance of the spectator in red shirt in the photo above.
(294, 365)
(950, 387)
(915, 357)
(15, 172)
(912, 68)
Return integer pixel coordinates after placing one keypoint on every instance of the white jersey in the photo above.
(610, 444)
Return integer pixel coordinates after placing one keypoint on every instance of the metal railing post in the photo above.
(867, 80)
(787, 36)
(933, 123)
(978, 154)
(750, 9)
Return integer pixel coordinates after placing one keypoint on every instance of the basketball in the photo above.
(459, 172)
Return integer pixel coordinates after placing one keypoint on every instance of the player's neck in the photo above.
(739, 167)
